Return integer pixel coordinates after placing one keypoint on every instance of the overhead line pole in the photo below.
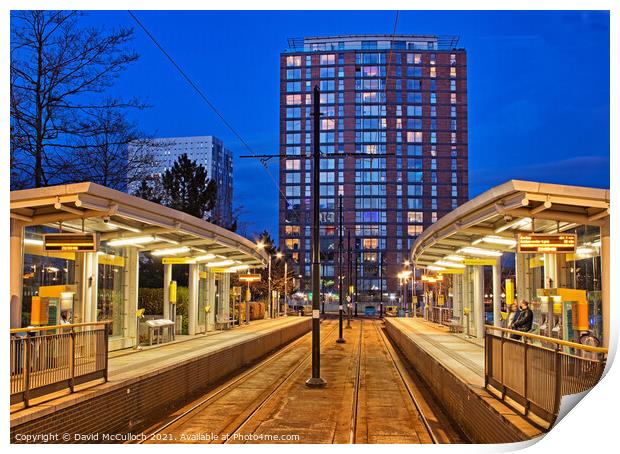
(349, 278)
(340, 339)
(357, 254)
(316, 381)
(381, 284)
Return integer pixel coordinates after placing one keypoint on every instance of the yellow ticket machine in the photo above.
(562, 313)
(51, 303)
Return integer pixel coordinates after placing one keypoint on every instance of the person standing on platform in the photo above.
(512, 315)
(524, 321)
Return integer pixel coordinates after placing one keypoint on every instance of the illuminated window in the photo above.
(328, 124)
(293, 164)
(328, 59)
(293, 60)
(370, 243)
(414, 230)
(414, 136)
(433, 72)
(452, 72)
(293, 99)
(291, 230)
(415, 217)
(292, 244)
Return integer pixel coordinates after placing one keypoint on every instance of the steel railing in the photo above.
(536, 371)
(438, 314)
(51, 358)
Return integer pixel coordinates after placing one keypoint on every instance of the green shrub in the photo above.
(152, 300)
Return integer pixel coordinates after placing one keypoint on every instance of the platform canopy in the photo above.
(487, 225)
(122, 219)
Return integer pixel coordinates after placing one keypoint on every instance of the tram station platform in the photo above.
(147, 383)
(453, 368)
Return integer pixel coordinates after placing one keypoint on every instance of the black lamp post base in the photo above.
(317, 382)
(340, 340)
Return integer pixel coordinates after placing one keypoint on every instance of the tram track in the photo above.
(169, 427)
(356, 387)
(299, 367)
(406, 382)
(372, 396)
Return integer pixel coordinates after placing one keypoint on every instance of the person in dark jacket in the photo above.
(524, 321)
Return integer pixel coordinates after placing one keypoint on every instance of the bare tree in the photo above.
(104, 156)
(59, 71)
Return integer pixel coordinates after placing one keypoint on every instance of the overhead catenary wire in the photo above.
(204, 97)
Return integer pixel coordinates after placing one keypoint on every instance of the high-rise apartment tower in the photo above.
(402, 98)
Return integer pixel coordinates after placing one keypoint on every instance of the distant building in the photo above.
(208, 151)
(418, 123)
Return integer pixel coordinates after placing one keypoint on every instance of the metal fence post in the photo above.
(26, 369)
(501, 351)
(105, 353)
(488, 358)
(72, 360)
(558, 381)
(525, 384)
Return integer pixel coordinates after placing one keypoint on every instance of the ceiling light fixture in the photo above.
(133, 241)
(170, 251)
(479, 252)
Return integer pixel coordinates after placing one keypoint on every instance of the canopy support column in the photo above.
(132, 286)
(497, 292)
(478, 278)
(211, 300)
(16, 271)
(224, 307)
(167, 279)
(605, 281)
(192, 308)
(89, 282)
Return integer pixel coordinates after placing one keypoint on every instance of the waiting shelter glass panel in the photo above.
(569, 307)
(49, 282)
(203, 305)
(111, 263)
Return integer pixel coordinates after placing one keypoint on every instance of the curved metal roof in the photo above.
(505, 210)
(117, 215)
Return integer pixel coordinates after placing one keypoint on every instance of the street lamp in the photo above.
(279, 255)
(261, 245)
(404, 277)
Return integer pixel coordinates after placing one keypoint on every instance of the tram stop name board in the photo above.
(564, 243)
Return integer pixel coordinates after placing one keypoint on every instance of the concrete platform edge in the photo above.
(132, 401)
(482, 418)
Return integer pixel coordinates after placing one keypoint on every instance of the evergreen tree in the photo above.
(150, 189)
(186, 187)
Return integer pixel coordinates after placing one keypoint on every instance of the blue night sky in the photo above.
(538, 86)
